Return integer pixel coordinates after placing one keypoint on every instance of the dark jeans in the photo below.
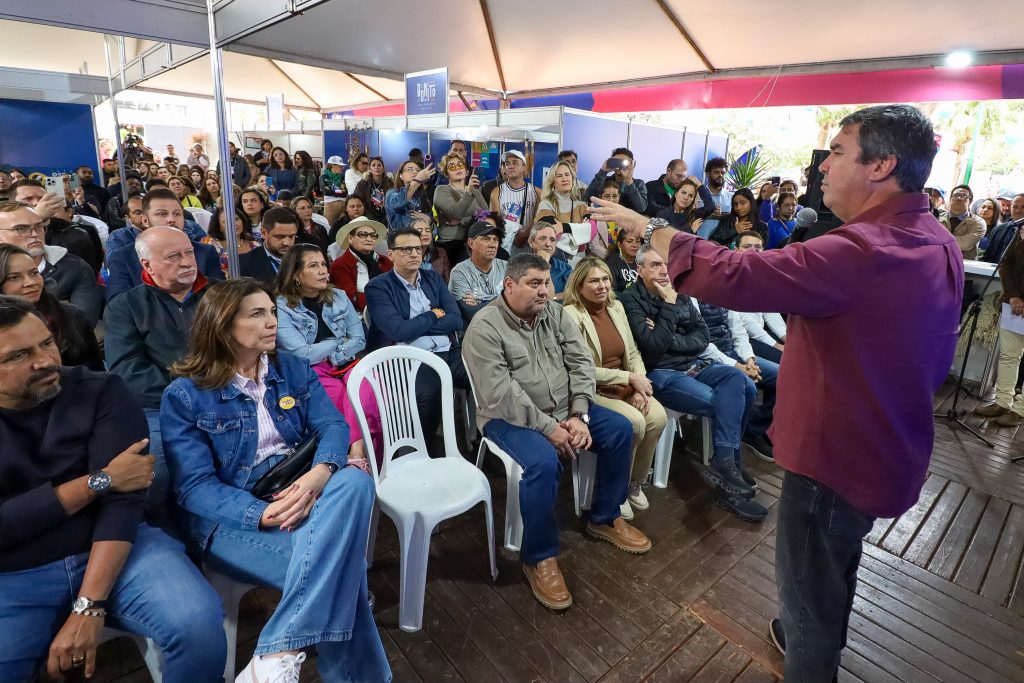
(542, 468)
(761, 415)
(428, 390)
(817, 552)
(763, 350)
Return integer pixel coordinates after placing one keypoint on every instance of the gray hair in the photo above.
(143, 248)
(538, 226)
(641, 254)
(519, 264)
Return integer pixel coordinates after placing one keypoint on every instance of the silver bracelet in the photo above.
(652, 225)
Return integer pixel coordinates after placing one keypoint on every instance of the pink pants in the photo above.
(335, 389)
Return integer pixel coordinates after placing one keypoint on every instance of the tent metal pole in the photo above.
(117, 127)
(227, 197)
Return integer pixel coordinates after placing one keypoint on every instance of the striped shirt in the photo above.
(269, 441)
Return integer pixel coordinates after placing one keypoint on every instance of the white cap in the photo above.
(513, 153)
(335, 161)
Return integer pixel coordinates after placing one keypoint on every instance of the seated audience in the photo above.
(115, 215)
(360, 165)
(721, 198)
(558, 198)
(358, 263)
(333, 187)
(76, 341)
(633, 191)
(231, 415)
(673, 339)
(622, 384)
(216, 235)
(478, 280)
(539, 408)
(354, 208)
(76, 553)
(1002, 236)
(408, 199)
(988, 211)
(542, 243)
(965, 226)
(661, 192)
(515, 199)
(280, 230)
(5, 184)
(434, 259)
(767, 331)
(770, 195)
(782, 224)
(159, 213)
(683, 212)
(412, 306)
(81, 240)
(209, 194)
(186, 193)
(306, 176)
(456, 204)
(936, 201)
(312, 224)
(254, 203)
(196, 157)
(67, 277)
(159, 208)
(316, 321)
(373, 190)
(281, 171)
(622, 261)
(742, 218)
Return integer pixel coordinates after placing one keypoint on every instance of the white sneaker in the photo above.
(637, 498)
(272, 669)
(625, 511)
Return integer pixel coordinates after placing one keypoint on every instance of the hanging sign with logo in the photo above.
(426, 92)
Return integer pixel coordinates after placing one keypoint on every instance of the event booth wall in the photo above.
(47, 137)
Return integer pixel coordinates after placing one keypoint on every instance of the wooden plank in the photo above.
(858, 668)
(947, 556)
(905, 528)
(689, 659)
(1006, 559)
(934, 527)
(601, 610)
(755, 646)
(980, 552)
(755, 673)
(862, 641)
(724, 667)
(655, 649)
(879, 529)
(764, 607)
(401, 668)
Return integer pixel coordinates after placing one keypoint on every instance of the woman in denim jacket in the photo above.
(231, 415)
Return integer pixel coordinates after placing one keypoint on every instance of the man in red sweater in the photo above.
(853, 426)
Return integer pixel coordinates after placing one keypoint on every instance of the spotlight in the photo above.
(959, 59)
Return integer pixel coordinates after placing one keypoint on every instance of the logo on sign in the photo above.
(426, 92)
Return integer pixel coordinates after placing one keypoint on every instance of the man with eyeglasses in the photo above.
(967, 228)
(68, 277)
(81, 240)
(479, 279)
(413, 306)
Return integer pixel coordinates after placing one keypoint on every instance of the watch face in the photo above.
(80, 604)
(99, 481)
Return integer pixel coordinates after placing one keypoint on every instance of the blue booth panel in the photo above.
(47, 137)
(653, 148)
(396, 144)
(694, 153)
(718, 146)
(337, 142)
(593, 140)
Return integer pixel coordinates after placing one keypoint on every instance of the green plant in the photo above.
(748, 170)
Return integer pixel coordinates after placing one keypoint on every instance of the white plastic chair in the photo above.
(231, 592)
(416, 491)
(467, 406)
(202, 217)
(584, 473)
(663, 452)
(151, 654)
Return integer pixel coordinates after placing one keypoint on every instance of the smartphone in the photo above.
(427, 159)
(775, 180)
(616, 164)
(55, 184)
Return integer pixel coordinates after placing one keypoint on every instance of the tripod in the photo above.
(972, 315)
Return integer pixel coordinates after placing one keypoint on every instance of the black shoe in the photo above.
(750, 481)
(723, 473)
(761, 446)
(777, 635)
(747, 510)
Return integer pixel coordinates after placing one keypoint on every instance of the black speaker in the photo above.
(814, 177)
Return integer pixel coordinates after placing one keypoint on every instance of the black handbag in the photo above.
(296, 463)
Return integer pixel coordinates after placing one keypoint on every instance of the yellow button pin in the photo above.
(286, 403)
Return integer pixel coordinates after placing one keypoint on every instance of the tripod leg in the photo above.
(964, 426)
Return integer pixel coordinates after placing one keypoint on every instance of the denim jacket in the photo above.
(210, 438)
(296, 331)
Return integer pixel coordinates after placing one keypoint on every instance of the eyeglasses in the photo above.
(407, 251)
(364, 235)
(26, 230)
(455, 165)
(960, 195)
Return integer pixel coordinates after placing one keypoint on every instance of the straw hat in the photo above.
(360, 222)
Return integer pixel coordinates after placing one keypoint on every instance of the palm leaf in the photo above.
(748, 170)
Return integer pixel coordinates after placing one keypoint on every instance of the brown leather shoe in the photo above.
(990, 410)
(1009, 419)
(548, 584)
(621, 535)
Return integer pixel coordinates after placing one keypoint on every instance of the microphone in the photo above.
(805, 218)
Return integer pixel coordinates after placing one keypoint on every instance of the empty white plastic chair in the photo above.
(416, 491)
(202, 217)
(663, 452)
(584, 473)
(231, 592)
(151, 654)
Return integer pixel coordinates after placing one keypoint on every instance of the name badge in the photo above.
(286, 403)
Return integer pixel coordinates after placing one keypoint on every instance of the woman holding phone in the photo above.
(456, 203)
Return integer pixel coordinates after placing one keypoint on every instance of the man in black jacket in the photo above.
(81, 239)
(240, 172)
(673, 341)
(280, 228)
(76, 555)
(661, 191)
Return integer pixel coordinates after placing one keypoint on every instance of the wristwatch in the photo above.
(582, 417)
(83, 605)
(99, 481)
(654, 224)
(332, 466)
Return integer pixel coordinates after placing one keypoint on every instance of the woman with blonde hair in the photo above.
(622, 383)
(559, 199)
(456, 203)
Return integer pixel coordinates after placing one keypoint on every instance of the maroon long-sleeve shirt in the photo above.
(874, 307)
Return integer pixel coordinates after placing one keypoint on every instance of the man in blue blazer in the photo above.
(414, 307)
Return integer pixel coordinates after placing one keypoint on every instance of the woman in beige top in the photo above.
(455, 204)
(622, 383)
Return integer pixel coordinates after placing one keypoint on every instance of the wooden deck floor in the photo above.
(940, 598)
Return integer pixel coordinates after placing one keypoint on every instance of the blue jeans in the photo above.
(320, 568)
(817, 553)
(760, 418)
(613, 443)
(719, 391)
(762, 350)
(159, 594)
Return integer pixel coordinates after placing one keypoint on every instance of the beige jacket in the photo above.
(531, 377)
(968, 234)
(631, 363)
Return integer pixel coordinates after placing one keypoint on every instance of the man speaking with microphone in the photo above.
(853, 423)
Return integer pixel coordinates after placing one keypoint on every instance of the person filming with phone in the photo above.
(620, 166)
